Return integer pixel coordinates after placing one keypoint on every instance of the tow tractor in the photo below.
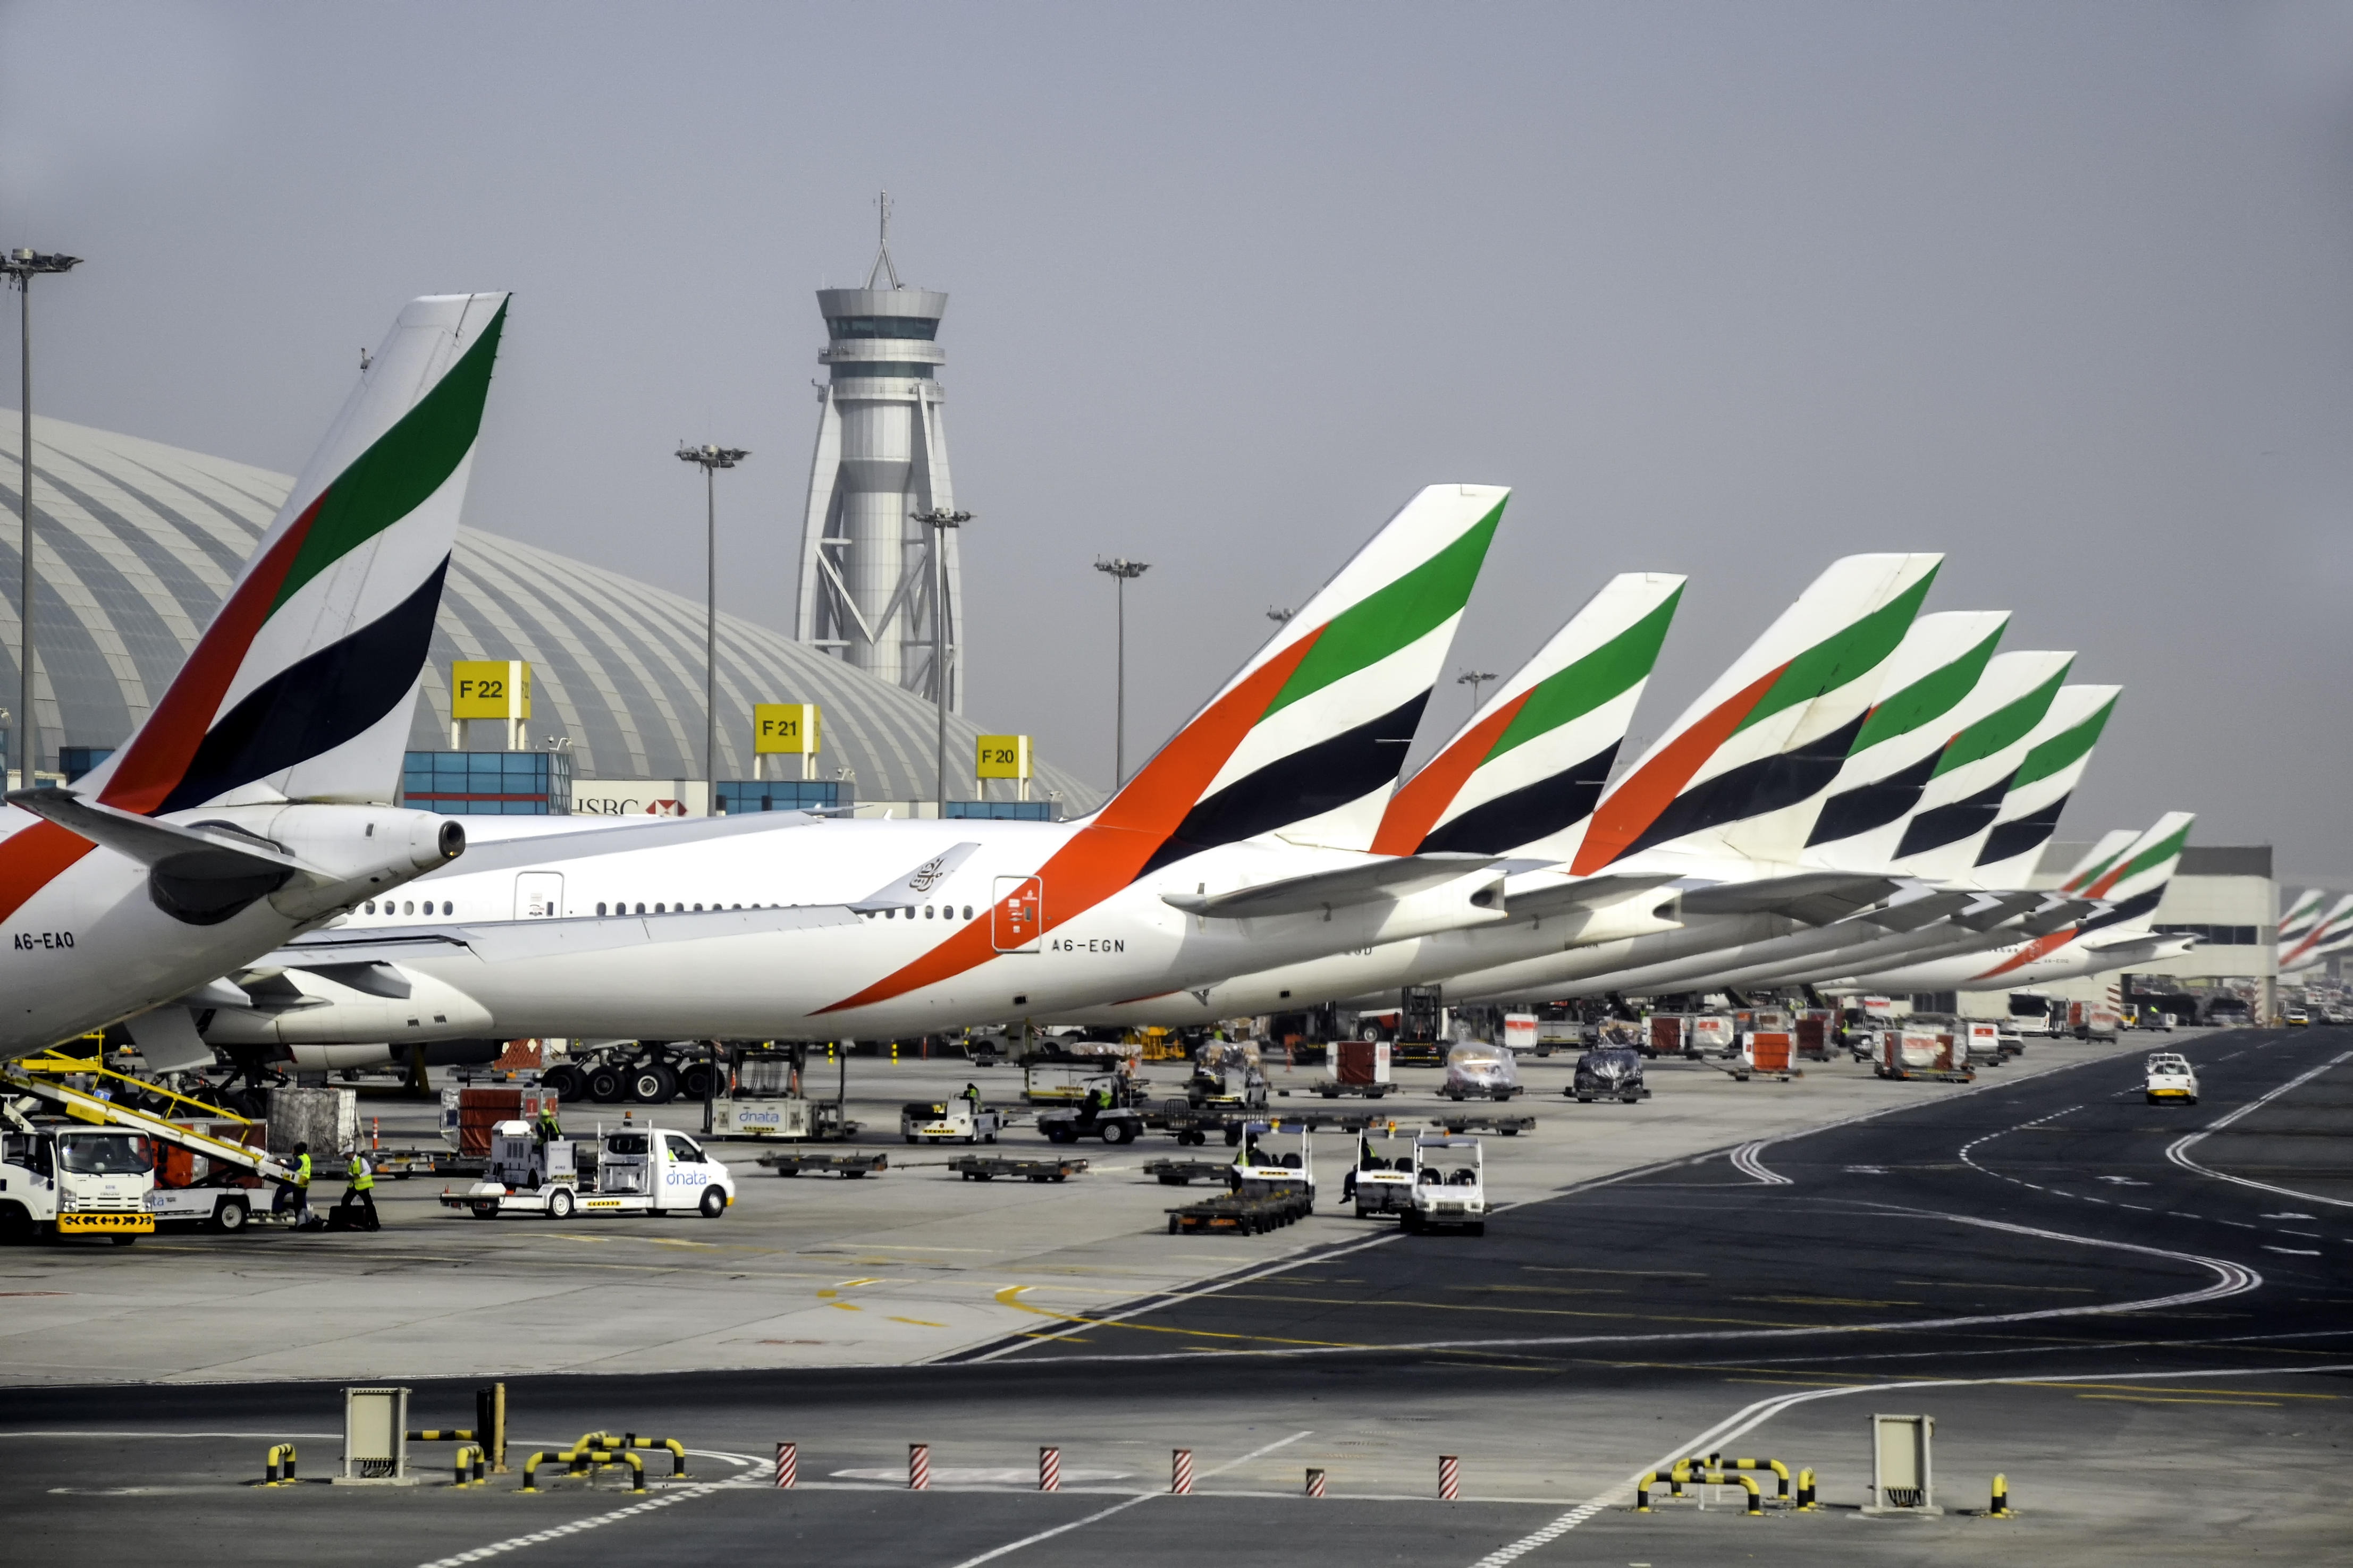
(638, 1170)
(1383, 1183)
(1228, 1073)
(1259, 1172)
(1449, 1187)
(2171, 1077)
(957, 1120)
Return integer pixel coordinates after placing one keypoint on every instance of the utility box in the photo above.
(326, 1119)
(1902, 1481)
(375, 1437)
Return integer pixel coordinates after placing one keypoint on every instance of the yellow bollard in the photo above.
(2000, 1508)
(457, 1465)
(1805, 1490)
(271, 1474)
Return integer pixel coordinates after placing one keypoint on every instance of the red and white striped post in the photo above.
(788, 1466)
(1180, 1472)
(1049, 1470)
(1315, 1483)
(919, 1466)
(1450, 1477)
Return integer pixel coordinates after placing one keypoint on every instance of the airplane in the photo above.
(2328, 933)
(2301, 915)
(245, 809)
(1247, 839)
(2117, 937)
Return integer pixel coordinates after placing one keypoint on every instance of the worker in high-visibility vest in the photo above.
(294, 1194)
(547, 1129)
(359, 1189)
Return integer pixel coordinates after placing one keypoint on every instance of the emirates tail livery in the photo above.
(2330, 934)
(240, 814)
(1519, 780)
(1246, 840)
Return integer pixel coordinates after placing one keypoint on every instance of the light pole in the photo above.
(1474, 679)
(1120, 569)
(22, 266)
(712, 459)
(939, 519)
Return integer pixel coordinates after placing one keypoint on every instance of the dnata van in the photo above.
(1477, 1068)
(75, 1181)
(2170, 1077)
(638, 1170)
(1450, 1185)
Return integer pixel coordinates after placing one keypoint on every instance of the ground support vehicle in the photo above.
(853, 1166)
(1610, 1073)
(1382, 1183)
(1921, 1053)
(2170, 1080)
(1477, 1070)
(956, 1121)
(1067, 1080)
(759, 1091)
(1185, 1172)
(1261, 1171)
(213, 1175)
(1228, 1073)
(1450, 1188)
(1357, 1068)
(1241, 1214)
(638, 1170)
(643, 1072)
(1461, 1121)
(1116, 1124)
(988, 1167)
(1193, 1124)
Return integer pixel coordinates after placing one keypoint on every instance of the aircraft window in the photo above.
(967, 911)
(698, 909)
(408, 909)
(371, 906)
(600, 909)
(642, 909)
(448, 908)
(657, 909)
(927, 911)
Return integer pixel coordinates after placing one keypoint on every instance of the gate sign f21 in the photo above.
(784, 728)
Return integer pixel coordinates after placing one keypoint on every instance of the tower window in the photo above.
(920, 329)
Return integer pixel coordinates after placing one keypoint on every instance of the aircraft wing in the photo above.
(1816, 898)
(199, 853)
(503, 941)
(1589, 892)
(908, 892)
(1392, 876)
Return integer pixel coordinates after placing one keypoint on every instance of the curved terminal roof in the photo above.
(139, 541)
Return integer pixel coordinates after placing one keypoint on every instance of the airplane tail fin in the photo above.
(2331, 933)
(1521, 774)
(1992, 730)
(1308, 738)
(2098, 861)
(1761, 739)
(2300, 918)
(302, 687)
(2134, 883)
(2057, 753)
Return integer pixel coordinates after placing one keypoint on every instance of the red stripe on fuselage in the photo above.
(1414, 810)
(32, 857)
(2040, 947)
(1622, 816)
(160, 753)
(1106, 854)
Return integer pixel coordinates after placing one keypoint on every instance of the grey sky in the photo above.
(2059, 289)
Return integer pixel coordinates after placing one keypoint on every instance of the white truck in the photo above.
(956, 1121)
(61, 1179)
(1450, 1185)
(640, 1169)
(2170, 1078)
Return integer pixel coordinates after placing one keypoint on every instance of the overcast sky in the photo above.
(2065, 290)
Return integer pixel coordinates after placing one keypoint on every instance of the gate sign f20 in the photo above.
(489, 688)
(784, 728)
(1002, 757)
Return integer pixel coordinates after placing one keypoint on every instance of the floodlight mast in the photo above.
(22, 266)
(939, 519)
(712, 459)
(1120, 569)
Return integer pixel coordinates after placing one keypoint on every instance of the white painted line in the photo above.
(753, 1474)
(2180, 1152)
(1744, 1159)
(993, 1554)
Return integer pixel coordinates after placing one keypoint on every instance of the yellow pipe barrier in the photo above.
(271, 1474)
(1780, 1470)
(585, 1458)
(677, 1449)
(443, 1435)
(1684, 1472)
(1805, 1491)
(458, 1464)
(63, 1065)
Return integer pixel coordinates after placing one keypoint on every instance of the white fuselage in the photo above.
(1037, 920)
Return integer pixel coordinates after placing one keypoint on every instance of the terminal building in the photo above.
(140, 541)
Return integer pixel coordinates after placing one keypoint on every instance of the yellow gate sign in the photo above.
(489, 688)
(784, 728)
(1002, 757)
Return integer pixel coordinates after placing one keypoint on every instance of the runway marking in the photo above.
(2179, 1152)
(1005, 1298)
(920, 1322)
(992, 1555)
(1744, 1159)
(753, 1474)
(2159, 1399)
(1742, 1422)
(2144, 1388)
(2293, 1251)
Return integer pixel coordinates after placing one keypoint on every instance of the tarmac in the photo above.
(2135, 1313)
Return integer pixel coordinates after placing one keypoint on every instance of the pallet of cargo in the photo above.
(1461, 1121)
(794, 1163)
(1242, 1215)
(988, 1167)
(1184, 1172)
(1193, 1124)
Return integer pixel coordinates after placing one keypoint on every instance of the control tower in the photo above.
(866, 592)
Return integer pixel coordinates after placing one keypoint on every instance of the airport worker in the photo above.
(972, 1093)
(359, 1190)
(546, 1128)
(301, 1184)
